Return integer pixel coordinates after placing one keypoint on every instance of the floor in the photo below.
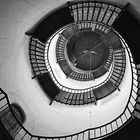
(89, 50)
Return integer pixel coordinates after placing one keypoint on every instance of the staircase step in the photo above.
(110, 86)
(112, 18)
(73, 102)
(137, 114)
(137, 107)
(85, 98)
(81, 99)
(114, 40)
(101, 92)
(70, 99)
(96, 11)
(78, 99)
(102, 12)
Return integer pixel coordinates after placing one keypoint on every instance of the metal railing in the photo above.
(36, 53)
(90, 133)
(103, 12)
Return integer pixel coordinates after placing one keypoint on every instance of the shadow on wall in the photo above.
(128, 26)
(51, 23)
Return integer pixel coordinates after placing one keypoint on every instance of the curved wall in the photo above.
(17, 17)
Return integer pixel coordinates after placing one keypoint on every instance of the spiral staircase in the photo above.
(66, 70)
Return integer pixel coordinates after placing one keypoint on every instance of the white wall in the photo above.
(17, 17)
